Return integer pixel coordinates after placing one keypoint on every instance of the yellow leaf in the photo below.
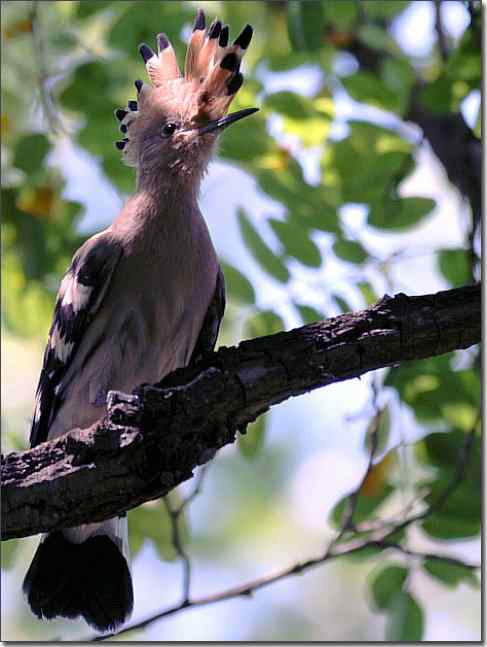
(37, 201)
(377, 477)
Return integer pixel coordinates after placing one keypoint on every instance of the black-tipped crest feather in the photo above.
(211, 74)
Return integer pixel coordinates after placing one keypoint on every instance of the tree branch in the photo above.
(151, 441)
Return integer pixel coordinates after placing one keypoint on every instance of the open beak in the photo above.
(224, 122)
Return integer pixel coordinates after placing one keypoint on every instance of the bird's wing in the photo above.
(80, 294)
(211, 324)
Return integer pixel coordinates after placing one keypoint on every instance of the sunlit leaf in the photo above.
(237, 286)
(455, 266)
(368, 293)
(252, 442)
(368, 88)
(151, 521)
(39, 201)
(9, 550)
(297, 243)
(264, 322)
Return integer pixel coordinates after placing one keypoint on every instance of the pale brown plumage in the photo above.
(140, 299)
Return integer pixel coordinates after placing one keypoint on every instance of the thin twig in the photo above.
(51, 114)
(347, 523)
(412, 553)
(175, 518)
(442, 41)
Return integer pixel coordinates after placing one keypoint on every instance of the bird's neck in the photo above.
(164, 185)
(171, 214)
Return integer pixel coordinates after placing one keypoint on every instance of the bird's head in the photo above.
(171, 130)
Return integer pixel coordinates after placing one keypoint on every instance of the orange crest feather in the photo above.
(211, 79)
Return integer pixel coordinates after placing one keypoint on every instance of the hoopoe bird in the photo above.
(140, 299)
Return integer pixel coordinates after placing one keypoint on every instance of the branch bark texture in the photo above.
(152, 440)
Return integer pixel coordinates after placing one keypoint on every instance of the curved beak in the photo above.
(224, 122)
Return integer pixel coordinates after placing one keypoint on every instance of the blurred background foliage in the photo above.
(336, 216)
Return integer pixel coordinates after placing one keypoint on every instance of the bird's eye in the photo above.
(168, 129)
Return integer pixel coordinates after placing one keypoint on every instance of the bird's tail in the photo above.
(83, 572)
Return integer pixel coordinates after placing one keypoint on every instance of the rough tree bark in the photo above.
(151, 441)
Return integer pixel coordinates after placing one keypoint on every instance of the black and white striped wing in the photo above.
(80, 294)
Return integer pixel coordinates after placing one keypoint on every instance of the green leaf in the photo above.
(375, 37)
(384, 160)
(387, 583)
(139, 22)
(349, 250)
(297, 242)
(237, 286)
(305, 25)
(465, 62)
(365, 508)
(449, 526)
(368, 88)
(341, 13)
(399, 76)
(264, 322)
(384, 10)
(342, 303)
(87, 8)
(432, 389)
(308, 313)
(271, 263)
(246, 145)
(400, 214)
(455, 266)
(151, 521)
(289, 104)
(405, 619)
(450, 573)
(252, 442)
(307, 119)
(30, 152)
(437, 95)
(282, 179)
(9, 551)
(380, 425)
(478, 125)
(460, 512)
(368, 293)
(444, 449)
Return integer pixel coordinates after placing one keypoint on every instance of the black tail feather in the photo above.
(91, 579)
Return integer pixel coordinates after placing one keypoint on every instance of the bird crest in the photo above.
(201, 96)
